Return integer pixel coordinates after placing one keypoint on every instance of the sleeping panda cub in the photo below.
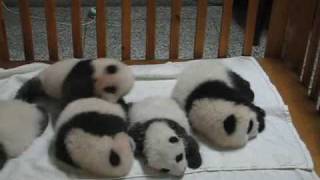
(72, 79)
(161, 132)
(20, 124)
(91, 136)
(219, 104)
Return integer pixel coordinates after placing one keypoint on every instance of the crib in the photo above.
(291, 60)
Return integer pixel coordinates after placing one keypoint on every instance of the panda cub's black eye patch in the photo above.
(250, 126)
(173, 139)
(230, 124)
(111, 69)
(179, 157)
(114, 158)
(110, 89)
(164, 170)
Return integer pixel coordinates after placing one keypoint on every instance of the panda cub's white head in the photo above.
(226, 123)
(112, 78)
(164, 150)
(160, 130)
(20, 124)
(91, 135)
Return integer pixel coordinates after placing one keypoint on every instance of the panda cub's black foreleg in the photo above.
(30, 90)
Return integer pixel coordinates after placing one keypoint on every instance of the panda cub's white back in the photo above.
(91, 135)
(161, 132)
(20, 124)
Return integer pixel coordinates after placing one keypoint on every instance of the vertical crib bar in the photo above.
(201, 22)
(101, 28)
(76, 29)
(26, 26)
(311, 52)
(4, 49)
(151, 30)
(316, 81)
(250, 26)
(225, 28)
(50, 11)
(126, 29)
(175, 28)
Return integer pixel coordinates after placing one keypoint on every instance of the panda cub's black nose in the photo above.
(110, 89)
(114, 158)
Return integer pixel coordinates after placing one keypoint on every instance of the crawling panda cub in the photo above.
(161, 132)
(219, 104)
(20, 124)
(72, 79)
(90, 135)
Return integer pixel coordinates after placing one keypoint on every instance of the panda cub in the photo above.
(72, 79)
(91, 136)
(20, 124)
(219, 104)
(161, 132)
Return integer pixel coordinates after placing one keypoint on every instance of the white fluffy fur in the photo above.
(158, 107)
(207, 117)
(88, 105)
(91, 152)
(159, 152)
(197, 73)
(53, 77)
(123, 79)
(96, 158)
(19, 125)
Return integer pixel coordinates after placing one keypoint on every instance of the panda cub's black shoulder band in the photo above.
(213, 89)
(79, 82)
(138, 132)
(242, 85)
(91, 122)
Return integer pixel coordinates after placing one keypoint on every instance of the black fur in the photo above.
(261, 117)
(173, 139)
(250, 126)
(138, 130)
(229, 124)
(44, 121)
(91, 122)
(110, 89)
(31, 90)
(114, 158)
(164, 170)
(179, 157)
(79, 82)
(111, 69)
(3, 156)
(242, 86)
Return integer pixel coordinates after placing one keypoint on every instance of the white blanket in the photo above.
(277, 153)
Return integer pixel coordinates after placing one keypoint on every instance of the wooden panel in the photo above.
(50, 11)
(302, 110)
(175, 28)
(4, 50)
(201, 22)
(277, 28)
(101, 28)
(26, 26)
(151, 30)
(225, 28)
(301, 14)
(76, 29)
(313, 44)
(126, 29)
(250, 27)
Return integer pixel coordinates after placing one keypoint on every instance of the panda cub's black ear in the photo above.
(192, 152)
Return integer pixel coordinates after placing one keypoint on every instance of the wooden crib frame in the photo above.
(293, 39)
